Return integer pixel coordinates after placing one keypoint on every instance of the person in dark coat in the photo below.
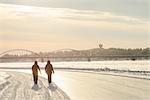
(49, 69)
(35, 69)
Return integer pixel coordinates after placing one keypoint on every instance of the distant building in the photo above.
(100, 46)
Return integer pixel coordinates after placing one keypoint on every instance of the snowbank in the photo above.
(124, 73)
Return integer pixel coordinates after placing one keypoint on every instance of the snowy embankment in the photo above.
(127, 73)
(19, 86)
(122, 72)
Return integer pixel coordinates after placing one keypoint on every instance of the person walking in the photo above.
(35, 69)
(49, 69)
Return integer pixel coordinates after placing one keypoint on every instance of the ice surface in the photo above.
(121, 65)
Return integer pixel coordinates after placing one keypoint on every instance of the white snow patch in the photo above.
(3, 81)
(3, 76)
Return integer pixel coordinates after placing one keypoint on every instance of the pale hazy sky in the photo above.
(78, 24)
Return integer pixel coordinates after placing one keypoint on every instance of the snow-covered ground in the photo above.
(96, 86)
(3, 81)
(142, 65)
(78, 86)
(139, 69)
(3, 77)
(19, 86)
(108, 80)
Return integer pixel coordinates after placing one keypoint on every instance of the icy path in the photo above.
(98, 86)
(78, 85)
(20, 87)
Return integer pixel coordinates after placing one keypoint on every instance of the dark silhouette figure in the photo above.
(49, 69)
(35, 69)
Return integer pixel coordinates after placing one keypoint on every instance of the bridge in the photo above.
(15, 55)
(29, 55)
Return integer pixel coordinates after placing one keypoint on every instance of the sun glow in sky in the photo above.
(48, 28)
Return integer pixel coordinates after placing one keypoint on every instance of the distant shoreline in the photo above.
(86, 69)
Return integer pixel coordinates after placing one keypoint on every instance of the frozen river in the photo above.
(96, 86)
(121, 65)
